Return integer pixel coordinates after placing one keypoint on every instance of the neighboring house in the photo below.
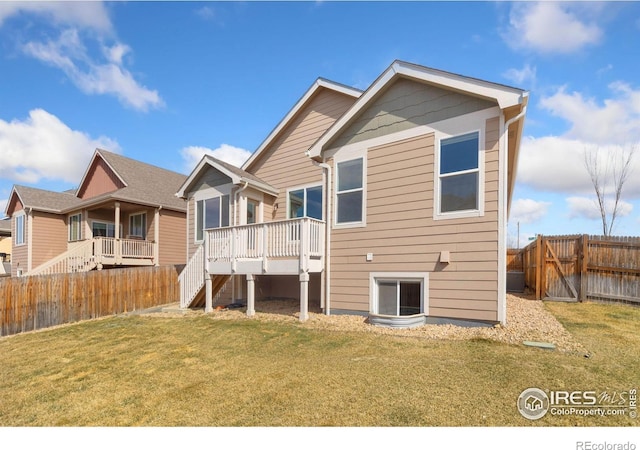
(5, 247)
(124, 213)
(391, 202)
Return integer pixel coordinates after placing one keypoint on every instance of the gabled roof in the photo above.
(144, 183)
(237, 176)
(505, 96)
(318, 84)
(42, 200)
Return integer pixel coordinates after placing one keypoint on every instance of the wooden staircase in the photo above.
(78, 259)
(192, 282)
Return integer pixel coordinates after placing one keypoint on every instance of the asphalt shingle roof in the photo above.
(145, 184)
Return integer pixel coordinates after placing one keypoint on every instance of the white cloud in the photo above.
(550, 27)
(227, 153)
(525, 75)
(615, 120)
(556, 164)
(92, 15)
(526, 211)
(91, 76)
(3, 207)
(100, 74)
(43, 147)
(206, 13)
(588, 208)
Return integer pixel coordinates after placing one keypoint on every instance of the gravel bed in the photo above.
(527, 320)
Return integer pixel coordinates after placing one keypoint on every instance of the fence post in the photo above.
(539, 264)
(584, 267)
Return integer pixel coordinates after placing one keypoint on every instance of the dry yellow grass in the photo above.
(196, 370)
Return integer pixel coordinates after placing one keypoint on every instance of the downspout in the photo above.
(327, 238)
(235, 203)
(502, 244)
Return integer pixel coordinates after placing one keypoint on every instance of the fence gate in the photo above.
(562, 267)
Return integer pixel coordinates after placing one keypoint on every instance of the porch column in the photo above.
(251, 298)
(208, 294)
(304, 296)
(116, 232)
(156, 237)
(86, 232)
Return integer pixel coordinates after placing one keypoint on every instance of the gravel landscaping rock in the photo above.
(527, 320)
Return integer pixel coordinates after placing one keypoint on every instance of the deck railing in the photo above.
(101, 250)
(303, 238)
(192, 278)
(106, 247)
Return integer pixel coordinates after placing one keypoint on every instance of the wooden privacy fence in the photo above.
(32, 303)
(583, 267)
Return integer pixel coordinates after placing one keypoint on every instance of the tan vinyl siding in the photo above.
(100, 180)
(284, 164)
(407, 104)
(172, 236)
(49, 237)
(403, 236)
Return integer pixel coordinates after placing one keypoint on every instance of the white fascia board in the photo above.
(503, 95)
(320, 82)
(195, 173)
(13, 191)
(235, 179)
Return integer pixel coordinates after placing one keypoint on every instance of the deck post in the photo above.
(208, 294)
(251, 299)
(304, 296)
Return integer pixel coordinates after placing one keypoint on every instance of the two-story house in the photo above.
(124, 213)
(390, 203)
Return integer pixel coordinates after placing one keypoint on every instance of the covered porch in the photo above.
(120, 233)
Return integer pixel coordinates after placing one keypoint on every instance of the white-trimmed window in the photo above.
(138, 225)
(350, 191)
(20, 229)
(401, 294)
(104, 229)
(459, 177)
(75, 227)
(305, 202)
(211, 213)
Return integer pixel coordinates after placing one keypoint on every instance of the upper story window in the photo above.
(350, 191)
(459, 175)
(306, 202)
(20, 229)
(211, 213)
(75, 227)
(138, 225)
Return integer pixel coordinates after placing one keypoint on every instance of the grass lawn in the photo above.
(196, 371)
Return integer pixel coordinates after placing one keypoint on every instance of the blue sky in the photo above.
(164, 82)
